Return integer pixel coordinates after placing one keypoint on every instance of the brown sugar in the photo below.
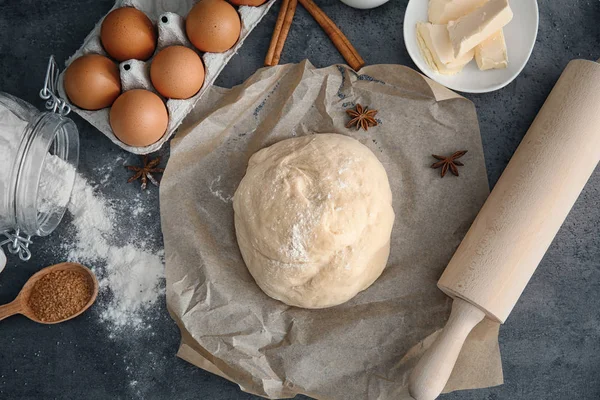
(59, 295)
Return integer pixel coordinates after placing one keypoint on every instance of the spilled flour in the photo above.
(219, 192)
(53, 191)
(130, 275)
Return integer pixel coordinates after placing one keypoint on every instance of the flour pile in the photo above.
(130, 276)
(55, 184)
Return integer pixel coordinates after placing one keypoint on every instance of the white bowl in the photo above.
(364, 4)
(520, 36)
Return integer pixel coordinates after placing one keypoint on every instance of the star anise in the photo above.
(449, 163)
(145, 173)
(362, 117)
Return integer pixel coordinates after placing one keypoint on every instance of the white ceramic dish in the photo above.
(520, 36)
(364, 4)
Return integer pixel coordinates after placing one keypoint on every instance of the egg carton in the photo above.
(168, 16)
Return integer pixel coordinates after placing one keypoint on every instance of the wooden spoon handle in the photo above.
(433, 370)
(10, 309)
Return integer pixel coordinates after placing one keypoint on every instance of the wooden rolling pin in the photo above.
(519, 220)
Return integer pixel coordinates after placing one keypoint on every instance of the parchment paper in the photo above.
(366, 348)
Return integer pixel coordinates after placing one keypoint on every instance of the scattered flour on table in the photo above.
(129, 274)
(106, 171)
(139, 208)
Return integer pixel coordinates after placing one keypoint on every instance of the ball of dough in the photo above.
(313, 219)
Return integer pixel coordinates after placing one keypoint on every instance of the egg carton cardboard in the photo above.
(168, 17)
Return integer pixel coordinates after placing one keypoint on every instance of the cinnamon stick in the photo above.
(285, 29)
(277, 32)
(340, 41)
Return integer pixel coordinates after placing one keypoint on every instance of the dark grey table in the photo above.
(551, 342)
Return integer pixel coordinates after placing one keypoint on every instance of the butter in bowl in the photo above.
(473, 46)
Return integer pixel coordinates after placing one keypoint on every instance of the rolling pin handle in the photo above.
(433, 370)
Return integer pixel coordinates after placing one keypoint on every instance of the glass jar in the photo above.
(28, 140)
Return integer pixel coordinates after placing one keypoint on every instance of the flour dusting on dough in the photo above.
(297, 249)
(301, 218)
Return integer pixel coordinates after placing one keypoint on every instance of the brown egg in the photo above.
(139, 118)
(213, 26)
(92, 82)
(253, 3)
(177, 72)
(127, 33)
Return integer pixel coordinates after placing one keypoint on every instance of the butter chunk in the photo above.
(491, 53)
(470, 30)
(444, 11)
(435, 46)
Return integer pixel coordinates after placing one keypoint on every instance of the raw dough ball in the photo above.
(313, 219)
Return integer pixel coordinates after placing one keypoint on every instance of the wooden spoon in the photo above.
(20, 305)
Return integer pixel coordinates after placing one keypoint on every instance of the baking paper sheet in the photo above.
(366, 348)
